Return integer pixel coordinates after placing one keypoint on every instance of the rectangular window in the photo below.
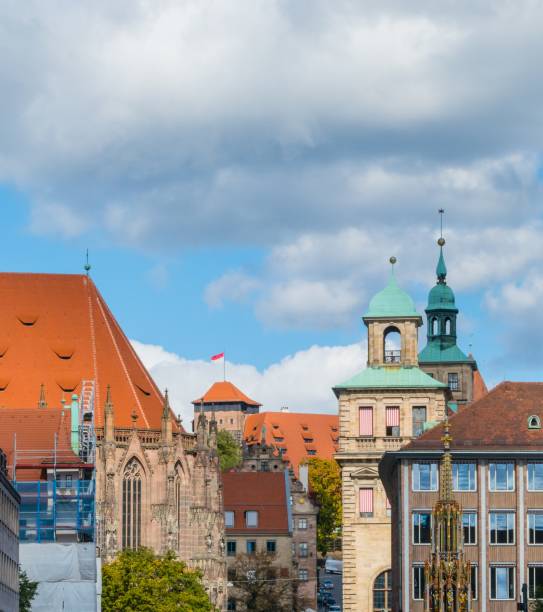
(393, 421)
(366, 502)
(501, 477)
(418, 582)
(469, 525)
(422, 528)
(464, 476)
(302, 575)
(228, 518)
(419, 418)
(251, 547)
(474, 589)
(502, 527)
(502, 582)
(424, 476)
(231, 548)
(365, 421)
(302, 549)
(535, 527)
(251, 518)
(270, 546)
(302, 523)
(453, 383)
(535, 476)
(535, 581)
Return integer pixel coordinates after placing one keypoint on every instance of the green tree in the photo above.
(140, 581)
(537, 605)
(325, 485)
(229, 450)
(27, 591)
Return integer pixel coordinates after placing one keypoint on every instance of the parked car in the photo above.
(334, 608)
(328, 585)
(333, 566)
(330, 602)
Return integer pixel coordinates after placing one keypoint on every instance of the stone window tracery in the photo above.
(132, 504)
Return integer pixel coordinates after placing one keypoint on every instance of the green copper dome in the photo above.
(392, 302)
(441, 297)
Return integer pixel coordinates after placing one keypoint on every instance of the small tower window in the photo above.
(393, 343)
(447, 327)
(434, 327)
(534, 422)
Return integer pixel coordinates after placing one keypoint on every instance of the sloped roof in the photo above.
(498, 421)
(434, 353)
(56, 329)
(391, 302)
(286, 430)
(479, 386)
(391, 377)
(264, 492)
(225, 392)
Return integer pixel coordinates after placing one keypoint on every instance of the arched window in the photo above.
(447, 327)
(534, 422)
(382, 592)
(393, 344)
(132, 499)
(434, 326)
(178, 502)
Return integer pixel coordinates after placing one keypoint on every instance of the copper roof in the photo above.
(264, 492)
(498, 421)
(56, 329)
(286, 430)
(224, 392)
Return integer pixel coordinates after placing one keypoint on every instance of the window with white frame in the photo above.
(502, 582)
(229, 518)
(302, 523)
(422, 528)
(474, 590)
(302, 574)
(424, 476)
(501, 476)
(302, 549)
(502, 527)
(469, 526)
(535, 527)
(231, 548)
(535, 476)
(535, 581)
(251, 518)
(418, 582)
(464, 476)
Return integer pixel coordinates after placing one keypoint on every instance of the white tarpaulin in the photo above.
(66, 574)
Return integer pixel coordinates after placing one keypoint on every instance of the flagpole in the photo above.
(224, 367)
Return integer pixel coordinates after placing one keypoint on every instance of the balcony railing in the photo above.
(393, 356)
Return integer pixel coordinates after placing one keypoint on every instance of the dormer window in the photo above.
(534, 422)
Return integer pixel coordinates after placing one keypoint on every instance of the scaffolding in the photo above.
(87, 438)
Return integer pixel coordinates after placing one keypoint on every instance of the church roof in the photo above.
(225, 392)
(391, 302)
(57, 329)
(390, 377)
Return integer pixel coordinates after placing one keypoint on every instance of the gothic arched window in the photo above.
(178, 501)
(382, 592)
(132, 500)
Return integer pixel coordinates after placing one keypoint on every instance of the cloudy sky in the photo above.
(241, 171)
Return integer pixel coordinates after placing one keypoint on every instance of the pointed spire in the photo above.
(87, 265)
(108, 406)
(109, 425)
(441, 268)
(445, 468)
(166, 410)
(42, 402)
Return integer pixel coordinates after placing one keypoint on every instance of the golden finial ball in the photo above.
(441, 241)
(393, 260)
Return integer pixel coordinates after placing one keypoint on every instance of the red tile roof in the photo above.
(479, 386)
(498, 421)
(56, 329)
(272, 426)
(264, 492)
(225, 392)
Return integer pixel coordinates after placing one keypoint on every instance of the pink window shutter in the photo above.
(366, 501)
(393, 416)
(366, 421)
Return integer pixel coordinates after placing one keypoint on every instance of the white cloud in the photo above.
(302, 381)
(234, 286)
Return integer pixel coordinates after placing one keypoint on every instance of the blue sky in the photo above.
(242, 173)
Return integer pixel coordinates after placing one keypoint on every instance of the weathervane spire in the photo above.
(441, 269)
(87, 265)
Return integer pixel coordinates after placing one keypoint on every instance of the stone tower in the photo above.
(380, 408)
(441, 357)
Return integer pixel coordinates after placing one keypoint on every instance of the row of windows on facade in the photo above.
(501, 527)
(9, 572)
(8, 512)
(501, 584)
(271, 548)
(250, 518)
(392, 421)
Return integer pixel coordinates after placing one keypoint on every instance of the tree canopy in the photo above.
(140, 581)
(229, 450)
(325, 484)
(27, 592)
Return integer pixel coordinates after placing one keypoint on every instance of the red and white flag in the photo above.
(217, 357)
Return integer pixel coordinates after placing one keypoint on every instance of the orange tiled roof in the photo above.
(224, 392)
(479, 386)
(56, 329)
(286, 430)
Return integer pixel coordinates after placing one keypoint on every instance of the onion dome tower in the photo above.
(447, 573)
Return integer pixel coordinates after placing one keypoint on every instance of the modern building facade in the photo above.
(497, 479)
(380, 409)
(9, 540)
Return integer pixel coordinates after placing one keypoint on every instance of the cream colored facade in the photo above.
(366, 538)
